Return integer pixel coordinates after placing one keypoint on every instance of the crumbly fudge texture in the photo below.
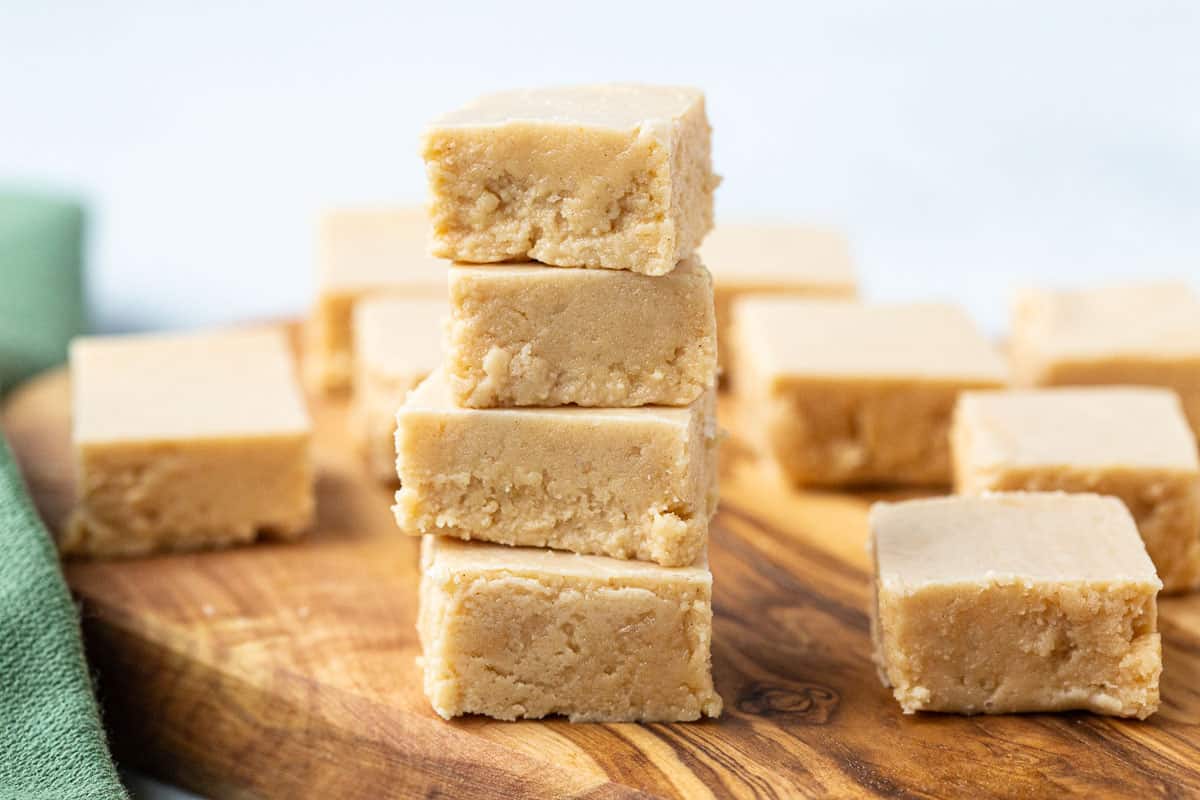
(839, 393)
(802, 260)
(360, 253)
(525, 633)
(1144, 334)
(398, 342)
(529, 335)
(1015, 602)
(629, 483)
(185, 442)
(1131, 443)
(588, 176)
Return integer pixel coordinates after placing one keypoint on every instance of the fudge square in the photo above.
(1145, 334)
(186, 441)
(1015, 602)
(613, 176)
(362, 252)
(1131, 443)
(839, 393)
(529, 335)
(525, 632)
(398, 342)
(629, 483)
(783, 259)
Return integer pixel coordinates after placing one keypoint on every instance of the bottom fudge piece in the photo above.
(397, 345)
(186, 441)
(628, 482)
(1015, 602)
(1131, 443)
(525, 633)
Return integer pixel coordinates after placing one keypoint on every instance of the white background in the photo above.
(964, 146)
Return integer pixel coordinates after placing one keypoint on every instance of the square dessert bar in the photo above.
(1015, 602)
(186, 441)
(525, 633)
(629, 483)
(587, 176)
(1143, 334)
(838, 393)
(1133, 444)
(398, 342)
(801, 260)
(529, 335)
(363, 252)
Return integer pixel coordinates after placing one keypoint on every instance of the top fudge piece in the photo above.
(1131, 443)
(1146, 334)
(361, 252)
(529, 335)
(841, 393)
(1015, 602)
(617, 176)
(186, 441)
(774, 259)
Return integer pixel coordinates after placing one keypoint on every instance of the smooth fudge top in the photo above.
(366, 248)
(615, 106)
(846, 340)
(166, 387)
(1024, 536)
(1145, 321)
(433, 395)
(446, 556)
(397, 336)
(1115, 427)
(767, 255)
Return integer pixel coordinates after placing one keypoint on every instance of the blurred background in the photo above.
(964, 147)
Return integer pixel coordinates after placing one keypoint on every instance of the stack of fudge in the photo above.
(561, 462)
(1075, 468)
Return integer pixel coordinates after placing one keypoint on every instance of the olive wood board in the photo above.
(290, 670)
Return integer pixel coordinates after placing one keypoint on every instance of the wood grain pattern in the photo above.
(290, 670)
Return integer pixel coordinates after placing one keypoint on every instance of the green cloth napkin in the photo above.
(51, 743)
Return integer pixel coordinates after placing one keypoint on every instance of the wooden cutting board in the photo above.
(290, 670)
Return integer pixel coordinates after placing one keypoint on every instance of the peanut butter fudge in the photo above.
(595, 176)
(398, 342)
(629, 483)
(1130, 443)
(362, 252)
(1144, 334)
(1015, 602)
(528, 335)
(186, 441)
(525, 633)
(775, 259)
(839, 393)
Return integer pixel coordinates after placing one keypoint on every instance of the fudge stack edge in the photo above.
(561, 463)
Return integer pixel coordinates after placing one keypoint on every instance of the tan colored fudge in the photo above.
(529, 335)
(1131, 443)
(1145, 334)
(526, 633)
(775, 259)
(1015, 602)
(839, 393)
(628, 483)
(186, 441)
(398, 342)
(595, 176)
(364, 252)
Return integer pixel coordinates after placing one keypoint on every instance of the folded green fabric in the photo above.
(51, 743)
(41, 282)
